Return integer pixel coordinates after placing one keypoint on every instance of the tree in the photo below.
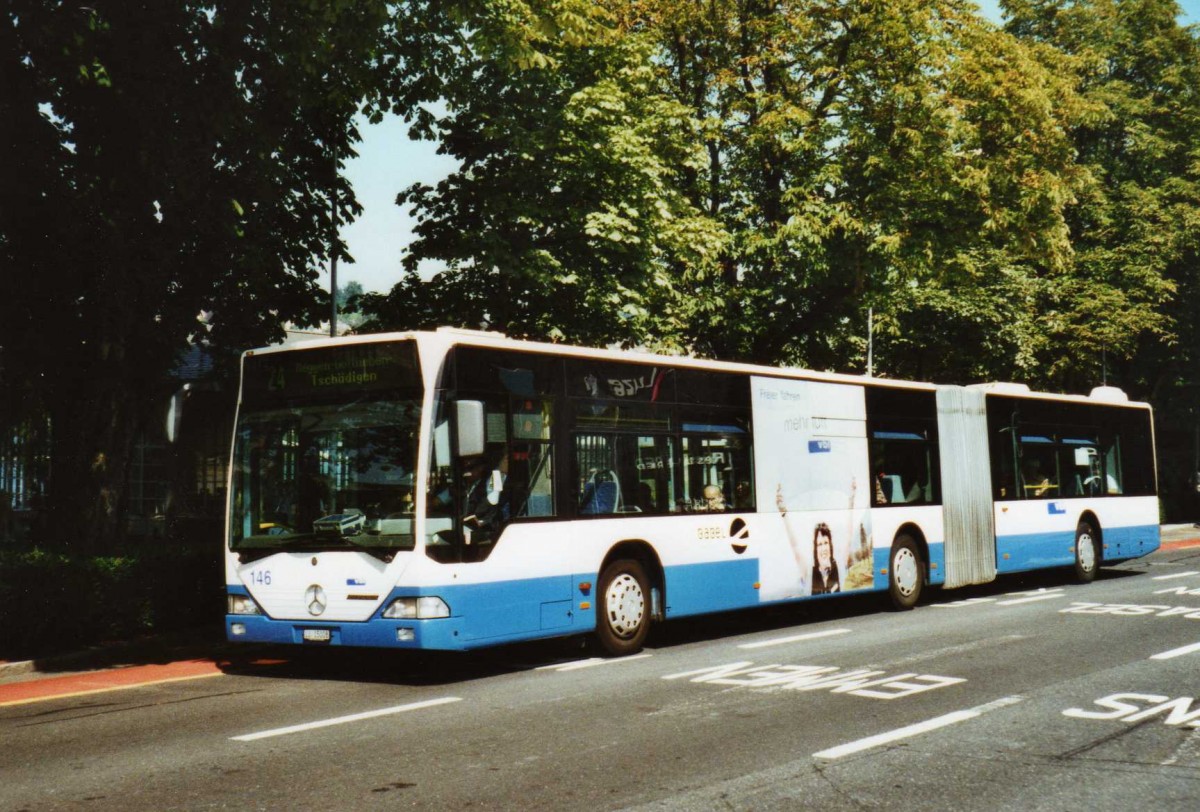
(859, 154)
(1134, 231)
(743, 179)
(166, 158)
(175, 157)
(348, 297)
(566, 215)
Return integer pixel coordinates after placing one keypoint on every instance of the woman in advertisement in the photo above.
(818, 572)
(825, 577)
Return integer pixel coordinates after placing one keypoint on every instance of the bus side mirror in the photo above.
(175, 412)
(471, 434)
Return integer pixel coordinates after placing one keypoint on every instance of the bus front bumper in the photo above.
(441, 634)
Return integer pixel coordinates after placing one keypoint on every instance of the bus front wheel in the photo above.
(906, 573)
(1087, 553)
(623, 616)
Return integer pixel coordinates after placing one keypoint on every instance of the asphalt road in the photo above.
(1030, 693)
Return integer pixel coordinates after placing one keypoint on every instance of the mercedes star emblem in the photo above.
(314, 596)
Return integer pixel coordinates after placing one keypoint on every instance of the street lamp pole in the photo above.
(333, 249)
(870, 341)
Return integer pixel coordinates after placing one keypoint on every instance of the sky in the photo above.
(388, 162)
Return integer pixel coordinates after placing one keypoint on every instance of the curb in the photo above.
(17, 669)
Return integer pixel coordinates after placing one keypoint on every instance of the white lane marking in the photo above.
(1176, 652)
(917, 729)
(1174, 575)
(1040, 595)
(590, 663)
(779, 641)
(962, 603)
(341, 720)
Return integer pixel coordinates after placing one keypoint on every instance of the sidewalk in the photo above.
(1176, 536)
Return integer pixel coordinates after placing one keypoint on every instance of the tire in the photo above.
(1087, 553)
(623, 613)
(906, 572)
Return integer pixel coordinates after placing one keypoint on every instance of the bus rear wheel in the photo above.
(906, 572)
(623, 616)
(1087, 553)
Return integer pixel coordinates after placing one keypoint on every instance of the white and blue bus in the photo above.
(458, 489)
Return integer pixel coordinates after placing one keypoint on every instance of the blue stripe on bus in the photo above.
(936, 563)
(1123, 543)
(511, 611)
(1030, 551)
(717, 586)
(1034, 551)
(427, 634)
(483, 614)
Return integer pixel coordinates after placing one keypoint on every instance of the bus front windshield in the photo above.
(327, 476)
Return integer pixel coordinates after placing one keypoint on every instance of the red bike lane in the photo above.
(96, 682)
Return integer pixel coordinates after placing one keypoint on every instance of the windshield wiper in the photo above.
(316, 542)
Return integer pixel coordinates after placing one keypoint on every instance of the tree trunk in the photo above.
(93, 426)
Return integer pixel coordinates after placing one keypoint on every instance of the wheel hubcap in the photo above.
(1086, 552)
(626, 605)
(904, 565)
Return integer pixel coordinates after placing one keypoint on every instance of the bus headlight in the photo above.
(417, 608)
(242, 605)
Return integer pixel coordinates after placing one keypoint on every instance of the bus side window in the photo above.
(531, 458)
(902, 447)
(717, 474)
(624, 474)
(1080, 464)
(1114, 479)
(718, 466)
(903, 464)
(1039, 468)
(531, 477)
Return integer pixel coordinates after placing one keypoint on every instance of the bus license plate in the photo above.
(317, 635)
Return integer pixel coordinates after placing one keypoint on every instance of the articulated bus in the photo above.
(458, 489)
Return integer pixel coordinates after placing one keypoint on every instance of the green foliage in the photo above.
(861, 150)
(1133, 300)
(743, 180)
(56, 602)
(164, 159)
(566, 214)
(161, 159)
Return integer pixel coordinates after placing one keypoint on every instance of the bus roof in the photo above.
(441, 340)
